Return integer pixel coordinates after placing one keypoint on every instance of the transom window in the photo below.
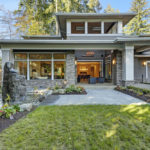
(94, 27)
(110, 27)
(40, 56)
(41, 66)
(78, 27)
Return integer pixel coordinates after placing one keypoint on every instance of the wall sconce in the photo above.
(75, 62)
(144, 63)
(114, 62)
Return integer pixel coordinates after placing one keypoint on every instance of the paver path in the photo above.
(101, 95)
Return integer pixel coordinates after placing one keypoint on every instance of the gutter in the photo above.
(132, 39)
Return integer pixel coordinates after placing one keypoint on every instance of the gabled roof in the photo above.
(61, 18)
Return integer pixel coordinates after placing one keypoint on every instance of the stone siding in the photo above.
(70, 68)
(117, 68)
(44, 83)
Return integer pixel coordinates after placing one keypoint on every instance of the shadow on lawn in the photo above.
(131, 125)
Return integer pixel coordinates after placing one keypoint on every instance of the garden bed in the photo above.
(73, 93)
(143, 94)
(6, 122)
(71, 90)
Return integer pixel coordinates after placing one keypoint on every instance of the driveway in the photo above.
(106, 96)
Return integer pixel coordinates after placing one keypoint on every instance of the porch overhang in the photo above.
(61, 44)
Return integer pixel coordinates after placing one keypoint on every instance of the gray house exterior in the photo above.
(88, 45)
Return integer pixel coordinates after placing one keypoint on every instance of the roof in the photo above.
(103, 40)
(61, 18)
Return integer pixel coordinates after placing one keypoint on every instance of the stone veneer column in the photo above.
(117, 68)
(128, 65)
(70, 68)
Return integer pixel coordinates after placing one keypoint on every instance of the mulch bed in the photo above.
(142, 97)
(5, 123)
(73, 93)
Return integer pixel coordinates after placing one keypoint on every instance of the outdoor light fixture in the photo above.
(144, 63)
(79, 28)
(114, 62)
(96, 28)
(75, 62)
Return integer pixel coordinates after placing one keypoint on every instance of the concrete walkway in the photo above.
(100, 95)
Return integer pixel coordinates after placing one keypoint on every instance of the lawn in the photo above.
(81, 128)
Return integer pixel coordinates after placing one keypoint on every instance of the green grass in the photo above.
(81, 128)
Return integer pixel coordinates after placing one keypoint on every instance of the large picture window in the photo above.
(59, 67)
(40, 70)
(41, 66)
(21, 66)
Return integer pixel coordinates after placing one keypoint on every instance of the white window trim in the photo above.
(69, 21)
(52, 60)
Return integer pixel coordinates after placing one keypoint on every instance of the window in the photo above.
(94, 27)
(59, 56)
(40, 70)
(110, 27)
(77, 27)
(20, 56)
(21, 66)
(59, 69)
(41, 66)
(40, 56)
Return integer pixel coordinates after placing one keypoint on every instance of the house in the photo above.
(89, 46)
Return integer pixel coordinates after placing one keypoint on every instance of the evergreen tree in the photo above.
(109, 9)
(139, 24)
(36, 17)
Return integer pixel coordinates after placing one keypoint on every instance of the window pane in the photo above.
(94, 27)
(78, 27)
(20, 56)
(40, 70)
(21, 66)
(110, 27)
(59, 56)
(59, 70)
(40, 56)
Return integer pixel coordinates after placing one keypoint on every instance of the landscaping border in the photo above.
(5, 123)
(126, 91)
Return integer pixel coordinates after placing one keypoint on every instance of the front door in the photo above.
(86, 70)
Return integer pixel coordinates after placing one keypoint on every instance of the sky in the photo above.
(122, 5)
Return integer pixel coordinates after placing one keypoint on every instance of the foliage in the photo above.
(8, 98)
(35, 17)
(57, 87)
(109, 9)
(8, 110)
(139, 91)
(7, 21)
(73, 88)
(98, 127)
(139, 24)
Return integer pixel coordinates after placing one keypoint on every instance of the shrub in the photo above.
(139, 90)
(8, 110)
(57, 87)
(73, 88)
